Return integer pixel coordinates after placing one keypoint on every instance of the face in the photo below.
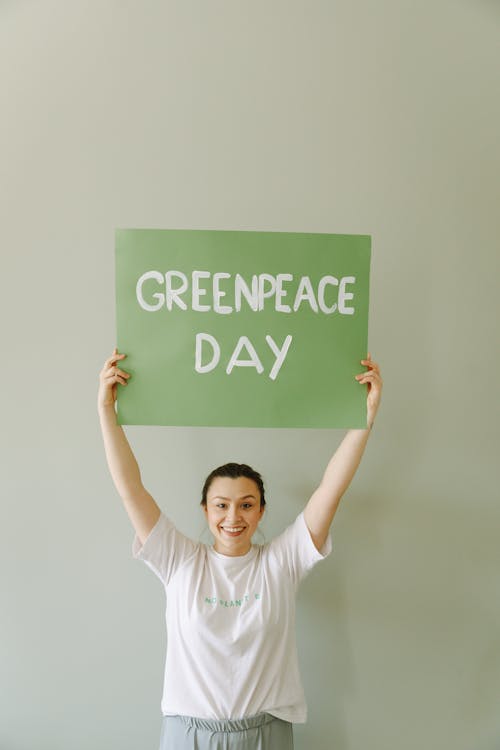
(233, 513)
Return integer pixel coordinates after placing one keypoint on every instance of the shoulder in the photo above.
(294, 548)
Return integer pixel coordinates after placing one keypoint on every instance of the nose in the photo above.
(232, 514)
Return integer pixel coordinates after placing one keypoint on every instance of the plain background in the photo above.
(377, 118)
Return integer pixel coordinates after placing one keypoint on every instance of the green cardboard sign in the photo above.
(242, 329)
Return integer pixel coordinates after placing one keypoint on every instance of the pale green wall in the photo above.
(379, 118)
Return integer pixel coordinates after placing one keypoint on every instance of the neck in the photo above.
(231, 551)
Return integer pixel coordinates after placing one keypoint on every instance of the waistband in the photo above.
(224, 725)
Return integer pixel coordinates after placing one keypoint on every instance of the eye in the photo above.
(221, 505)
(247, 505)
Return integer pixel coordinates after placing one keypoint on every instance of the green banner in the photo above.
(242, 329)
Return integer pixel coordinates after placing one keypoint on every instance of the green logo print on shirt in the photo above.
(214, 601)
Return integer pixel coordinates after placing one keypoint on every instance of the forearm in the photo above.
(344, 463)
(122, 464)
(324, 501)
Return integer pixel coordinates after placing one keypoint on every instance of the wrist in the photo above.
(370, 418)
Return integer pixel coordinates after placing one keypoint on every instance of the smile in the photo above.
(233, 530)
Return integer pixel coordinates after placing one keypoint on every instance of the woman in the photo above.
(231, 672)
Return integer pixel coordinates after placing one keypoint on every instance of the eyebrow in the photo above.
(221, 497)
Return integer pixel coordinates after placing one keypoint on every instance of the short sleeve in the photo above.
(164, 550)
(296, 551)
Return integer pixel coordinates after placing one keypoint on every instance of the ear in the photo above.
(262, 510)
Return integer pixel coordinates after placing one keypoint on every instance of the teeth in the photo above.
(238, 528)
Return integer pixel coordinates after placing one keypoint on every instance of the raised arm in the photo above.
(321, 508)
(140, 506)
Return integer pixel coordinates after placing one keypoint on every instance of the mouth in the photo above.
(233, 531)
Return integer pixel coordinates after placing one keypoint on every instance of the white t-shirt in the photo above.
(231, 649)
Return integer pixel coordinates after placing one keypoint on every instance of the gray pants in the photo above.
(261, 732)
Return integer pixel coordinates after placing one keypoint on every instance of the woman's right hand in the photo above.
(109, 377)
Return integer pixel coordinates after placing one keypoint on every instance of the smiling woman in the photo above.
(234, 503)
(232, 676)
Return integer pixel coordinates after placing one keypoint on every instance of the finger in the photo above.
(112, 371)
(113, 359)
(122, 373)
(373, 387)
(115, 378)
(372, 365)
(116, 355)
(368, 377)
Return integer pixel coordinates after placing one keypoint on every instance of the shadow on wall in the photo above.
(325, 620)
(325, 655)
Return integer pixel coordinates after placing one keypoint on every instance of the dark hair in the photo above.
(234, 471)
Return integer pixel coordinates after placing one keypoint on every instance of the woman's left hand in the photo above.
(374, 381)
